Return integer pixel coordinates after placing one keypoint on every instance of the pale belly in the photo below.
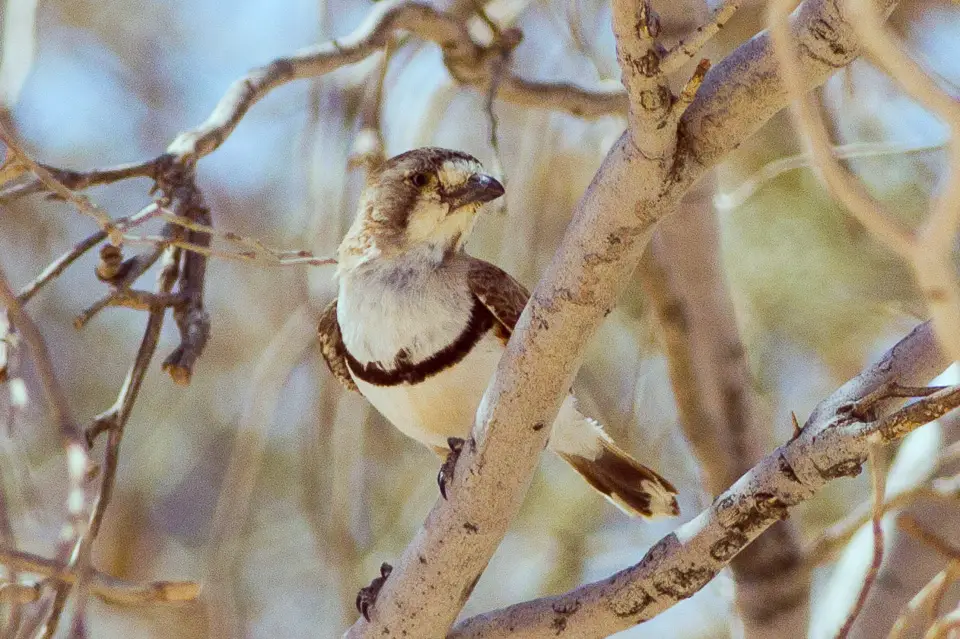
(443, 405)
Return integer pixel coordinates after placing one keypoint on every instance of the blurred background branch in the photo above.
(319, 492)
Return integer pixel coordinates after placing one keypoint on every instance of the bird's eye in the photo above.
(420, 180)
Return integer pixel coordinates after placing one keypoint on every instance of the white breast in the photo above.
(384, 309)
(421, 310)
(443, 405)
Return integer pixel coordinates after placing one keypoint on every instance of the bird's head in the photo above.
(423, 201)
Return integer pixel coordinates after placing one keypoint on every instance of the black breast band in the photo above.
(406, 372)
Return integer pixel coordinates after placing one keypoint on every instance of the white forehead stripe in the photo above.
(453, 173)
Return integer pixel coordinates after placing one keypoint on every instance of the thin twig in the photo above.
(844, 186)
(367, 149)
(466, 60)
(878, 481)
(257, 249)
(82, 203)
(108, 588)
(687, 49)
(78, 461)
(944, 626)
(129, 298)
(301, 258)
(505, 41)
(78, 180)
(56, 398)
(114, 421)
(736, 196)
(8, 538)
(59, 265)
(927, 600)
(911, 526)
(836, 537)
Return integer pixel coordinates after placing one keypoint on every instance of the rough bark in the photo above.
(830, 446)
(641, 180)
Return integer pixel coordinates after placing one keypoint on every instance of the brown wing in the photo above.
(503, 296)
(332, 348)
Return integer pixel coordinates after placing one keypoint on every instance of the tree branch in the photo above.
(831, 445)
(611, 226)
(107, 587)
(468, 61)
(929, 252)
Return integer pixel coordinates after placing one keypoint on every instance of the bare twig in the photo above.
(505, 41)
(79, 180)
(944, 626)
(78, 461)
(278, 258)
(687, 49)
(114, 420)
(929, 252)
(927, 600)
(467, 61)
(603, 243)
(8, 538)
(106, 587)
(59, 265)
(82, 204)
(367, 149)
(256, 250)
(191, 316)
(878, 481)
(56, 399)
(835, 538)
(736, 196)
(129, 298)
(911, 526)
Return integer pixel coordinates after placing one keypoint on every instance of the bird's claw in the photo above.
(445, 473)
(367, 596)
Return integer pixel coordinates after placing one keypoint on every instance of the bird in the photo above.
(418, 325)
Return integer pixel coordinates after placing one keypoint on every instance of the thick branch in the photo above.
(611, 227)
(830, 446)
(744, 90)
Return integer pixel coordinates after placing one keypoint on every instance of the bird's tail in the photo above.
(628, 484)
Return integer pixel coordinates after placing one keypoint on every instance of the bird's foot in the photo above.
(367, 596)
(446, 470)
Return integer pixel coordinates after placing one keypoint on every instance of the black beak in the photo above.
(478, 188)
